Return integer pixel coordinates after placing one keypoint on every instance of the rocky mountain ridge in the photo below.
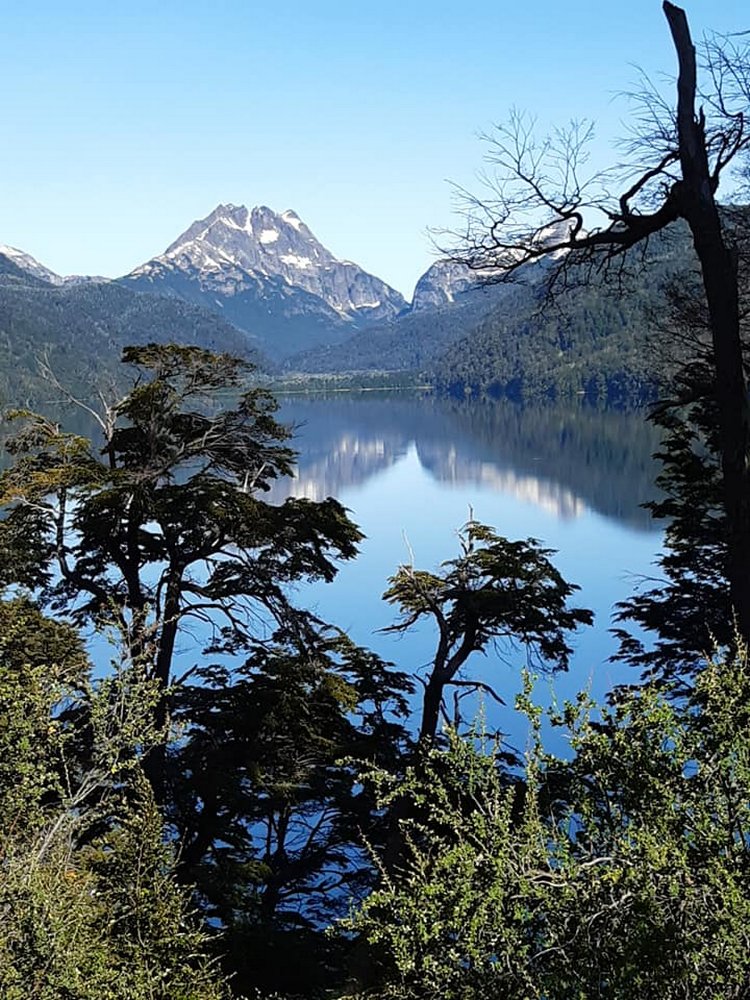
(30, 265)
(441, 284)
(269, 275)
(274, 289)
(281, 245)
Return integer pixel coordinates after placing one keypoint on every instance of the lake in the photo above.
(412, 469)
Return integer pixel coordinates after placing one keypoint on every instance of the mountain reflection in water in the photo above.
(566, 459)
(411, 467)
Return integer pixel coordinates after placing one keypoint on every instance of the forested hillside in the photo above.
(82, 328)
(598, 337)
(590, 342)
(603, 337)
(410, 342)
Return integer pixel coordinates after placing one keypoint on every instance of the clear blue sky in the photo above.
(124, 121)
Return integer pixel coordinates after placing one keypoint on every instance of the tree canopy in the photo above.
(495, 590)
(162, 522)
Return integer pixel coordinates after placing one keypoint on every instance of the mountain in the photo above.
(410, 342)
(603, 336)
(24, 263)
(450, 300)
(597, 338)
(270, 276)
(254, 280)
(441, 284)
(29, 265)
(82, 327)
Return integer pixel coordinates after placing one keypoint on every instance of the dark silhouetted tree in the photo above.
(495, 590)
(540, 203)
(161, 523)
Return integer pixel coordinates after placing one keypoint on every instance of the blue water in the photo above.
(411, 471)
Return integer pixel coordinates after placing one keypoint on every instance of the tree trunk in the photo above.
(156, 759)
(719, 269)
(433, 696)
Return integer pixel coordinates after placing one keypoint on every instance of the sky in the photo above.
(122, 122)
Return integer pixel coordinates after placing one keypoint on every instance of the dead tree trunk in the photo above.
(695, 195)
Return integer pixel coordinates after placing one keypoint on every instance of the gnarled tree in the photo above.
(496, 590)
(161, 523)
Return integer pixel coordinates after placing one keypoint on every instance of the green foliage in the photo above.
(164, 523)
(591, 343)
(624, 875)
(445, 922)
(267, 802)
(90, 906)
(497, 588)
(600, 337)
(690, 607)
(105, 922)
(42, 665)
(81, 330)
(164, 526)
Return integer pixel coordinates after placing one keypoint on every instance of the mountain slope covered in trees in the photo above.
(598, 337)
(82, 328)
(409, 342)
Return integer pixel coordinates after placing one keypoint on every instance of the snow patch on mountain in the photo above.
(292, 218)
(248, 245)
(295, 260)
(29, 264)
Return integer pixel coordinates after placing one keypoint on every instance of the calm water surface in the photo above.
(410, 470)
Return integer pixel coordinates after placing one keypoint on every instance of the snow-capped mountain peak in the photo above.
(268, 274)
(32, 266)
(234, 240)
(29, 264)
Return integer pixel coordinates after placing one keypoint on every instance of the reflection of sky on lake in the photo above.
(412, 499)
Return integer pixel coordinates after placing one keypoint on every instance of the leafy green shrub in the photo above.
(623, 873)
(89, 905)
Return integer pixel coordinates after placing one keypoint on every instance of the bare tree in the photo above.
(540, 203)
